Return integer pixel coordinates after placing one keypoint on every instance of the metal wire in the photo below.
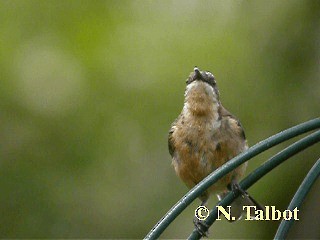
(261, 171)
(226, 168)
(298, 198)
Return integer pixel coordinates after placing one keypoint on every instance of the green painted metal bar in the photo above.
(298, 198)
(226, 168)
(261, 171)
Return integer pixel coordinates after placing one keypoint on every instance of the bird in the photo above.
(205, 136)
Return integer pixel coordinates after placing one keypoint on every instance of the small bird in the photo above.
(205, 136)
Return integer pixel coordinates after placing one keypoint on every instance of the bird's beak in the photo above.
(197, 74)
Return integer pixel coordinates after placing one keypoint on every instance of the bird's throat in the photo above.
(201, 100)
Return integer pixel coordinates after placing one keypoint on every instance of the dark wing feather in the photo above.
(225, 113)
(170, 139)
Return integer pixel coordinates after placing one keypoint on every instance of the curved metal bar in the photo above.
(186, 200)
(298, 198)
(253, 177)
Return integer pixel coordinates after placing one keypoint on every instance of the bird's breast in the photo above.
(201, 146)
(195, 149)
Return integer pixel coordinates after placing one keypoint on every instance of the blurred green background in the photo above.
(89, 90)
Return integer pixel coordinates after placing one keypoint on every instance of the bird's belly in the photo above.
(198, 155)
(196, 167)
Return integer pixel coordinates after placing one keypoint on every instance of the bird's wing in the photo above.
(225, 114)
(170, 139)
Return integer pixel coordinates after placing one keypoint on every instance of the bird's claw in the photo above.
(236, 189)
(201, 227)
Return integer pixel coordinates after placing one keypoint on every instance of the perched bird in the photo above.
(205, 136)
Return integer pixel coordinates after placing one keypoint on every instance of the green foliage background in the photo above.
(89, 90)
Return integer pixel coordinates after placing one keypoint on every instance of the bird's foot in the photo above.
(236, 189)
(201, 227)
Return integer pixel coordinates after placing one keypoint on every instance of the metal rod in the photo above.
(195, 192)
